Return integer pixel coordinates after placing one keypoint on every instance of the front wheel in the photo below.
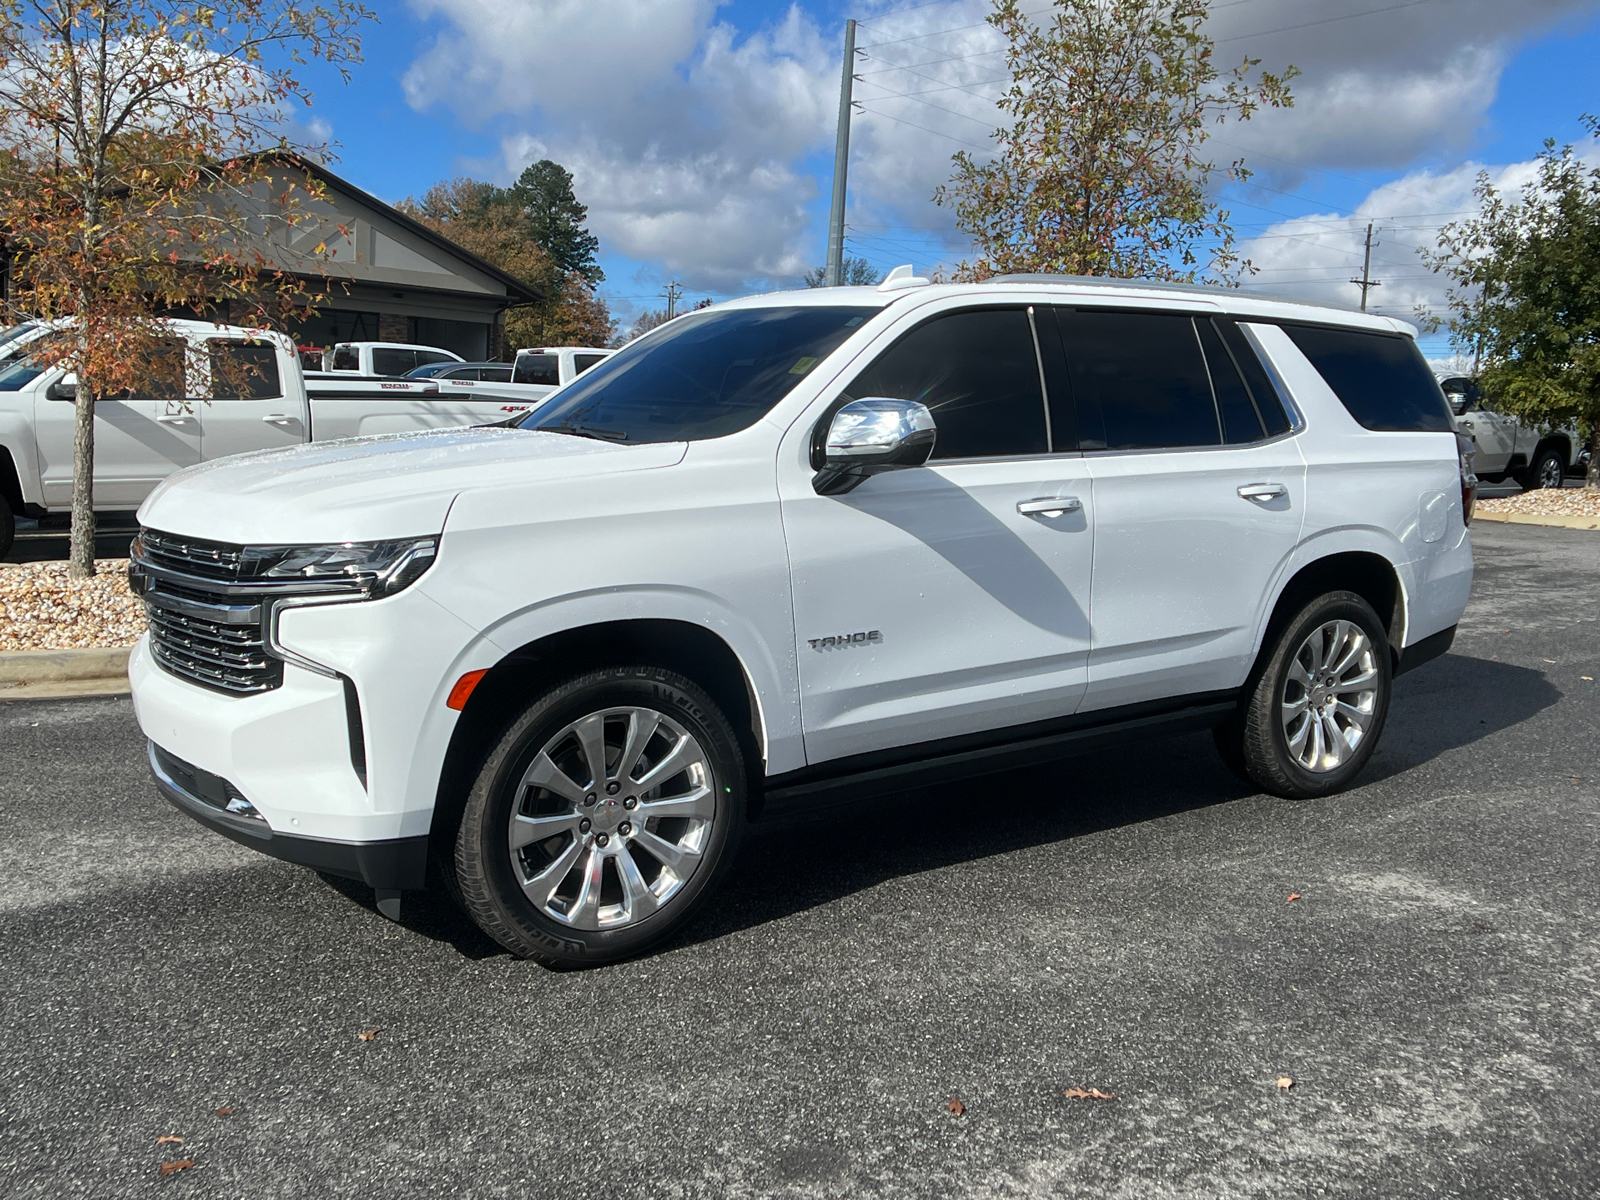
(1314, 714)
(602, 819)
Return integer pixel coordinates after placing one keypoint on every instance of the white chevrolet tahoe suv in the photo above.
(791, 551)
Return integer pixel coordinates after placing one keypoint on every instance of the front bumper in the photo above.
(393, 865)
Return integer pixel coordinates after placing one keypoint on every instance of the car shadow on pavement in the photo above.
(790, 866)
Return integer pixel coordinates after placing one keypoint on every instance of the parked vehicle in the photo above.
(383, 358)
(490, 372)
(796, 550)
(557, 365)
(1508, 448)
(143, 438)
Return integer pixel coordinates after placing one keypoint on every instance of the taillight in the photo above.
(1465, 449)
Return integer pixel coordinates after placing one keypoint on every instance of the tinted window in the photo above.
(346, 358)
(1245, 356)
(1381, 378)
(1240, 424)
(496, 374)
(20, 372)
(703, 375)
(977, 372)
(582, 362)
(539, 368)
(1142, 375)
(394, 362)
(244, 371)
(424, 357)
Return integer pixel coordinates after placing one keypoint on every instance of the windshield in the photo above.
(18, 373)
(702, 375)
(8, 336)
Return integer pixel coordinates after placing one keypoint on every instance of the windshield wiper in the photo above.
(588, 431)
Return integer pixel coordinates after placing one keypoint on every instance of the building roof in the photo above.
(518, 290)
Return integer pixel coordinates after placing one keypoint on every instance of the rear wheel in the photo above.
(602, 819)
(1549, 470)
(1314, 715)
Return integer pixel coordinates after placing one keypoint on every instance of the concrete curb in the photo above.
(49, 674)
(1559, 522)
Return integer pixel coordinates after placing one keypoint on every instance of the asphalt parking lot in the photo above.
(1117, 922)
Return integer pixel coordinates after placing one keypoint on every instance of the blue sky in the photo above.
(701, 134)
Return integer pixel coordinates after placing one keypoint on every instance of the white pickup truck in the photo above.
(1505, 447)
(142, 438)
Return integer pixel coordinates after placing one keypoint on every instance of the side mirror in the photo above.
(65, 388)
(1458, 402)
(872, 435)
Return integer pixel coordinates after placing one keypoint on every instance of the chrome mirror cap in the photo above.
(871, 435)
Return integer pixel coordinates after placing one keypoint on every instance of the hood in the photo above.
(365, 489)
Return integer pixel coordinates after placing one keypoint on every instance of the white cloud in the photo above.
(690, 140)
(1314, 258)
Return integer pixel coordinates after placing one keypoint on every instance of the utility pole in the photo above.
(834, 275)
(674, 290)
(1366, 282)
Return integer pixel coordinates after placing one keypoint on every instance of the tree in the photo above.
(544, 193)
(647, 321)
(1525, 301)
(131, 185)
(858, 272)
(494, 224)
(1100, 171)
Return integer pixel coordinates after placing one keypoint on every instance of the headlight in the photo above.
(378, 568)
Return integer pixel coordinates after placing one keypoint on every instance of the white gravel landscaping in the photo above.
(1547, 502)
(41, 609)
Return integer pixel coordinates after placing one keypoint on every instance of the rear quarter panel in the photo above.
(1393, 494)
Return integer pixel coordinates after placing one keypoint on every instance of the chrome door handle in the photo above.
(174, 418)
(1262, 492)
(1049, 506)
(278, 419)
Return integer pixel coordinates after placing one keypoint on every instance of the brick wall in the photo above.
(392, 328)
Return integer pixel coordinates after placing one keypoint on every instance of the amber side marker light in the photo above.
(463, 689)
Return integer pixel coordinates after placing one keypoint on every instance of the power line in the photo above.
(924, 128)
(967, 116)
(1371, 12)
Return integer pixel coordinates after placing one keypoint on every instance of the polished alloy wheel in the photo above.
(1551, 473)
(1329, 696)
(612, 818)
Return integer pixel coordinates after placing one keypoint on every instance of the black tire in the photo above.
(485, 877)
(1256, 744)
(1549, 470)
(8, 527)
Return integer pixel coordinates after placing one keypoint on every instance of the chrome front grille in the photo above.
(227, 657)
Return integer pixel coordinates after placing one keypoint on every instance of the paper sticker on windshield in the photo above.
(802, 366)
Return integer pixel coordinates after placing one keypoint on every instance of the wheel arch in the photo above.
(1367, 573)
(1558, 441)
(683, 646)
(10, 481)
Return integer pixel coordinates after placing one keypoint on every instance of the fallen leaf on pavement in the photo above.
(367, 1035)
(1548, 660)
(1285, 1083)
(1590, 678)
(1293, 896)
(956, 1106)
(172, 1168)
(161, 1141)
(224, 1111)
(1078, 1093)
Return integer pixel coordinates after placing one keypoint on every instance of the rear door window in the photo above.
(387, 361)
(495, 374)
(978, 372)
(1139, 380)
(1241, 423)
(542, 369)
(244, 370)
(1381, 378)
